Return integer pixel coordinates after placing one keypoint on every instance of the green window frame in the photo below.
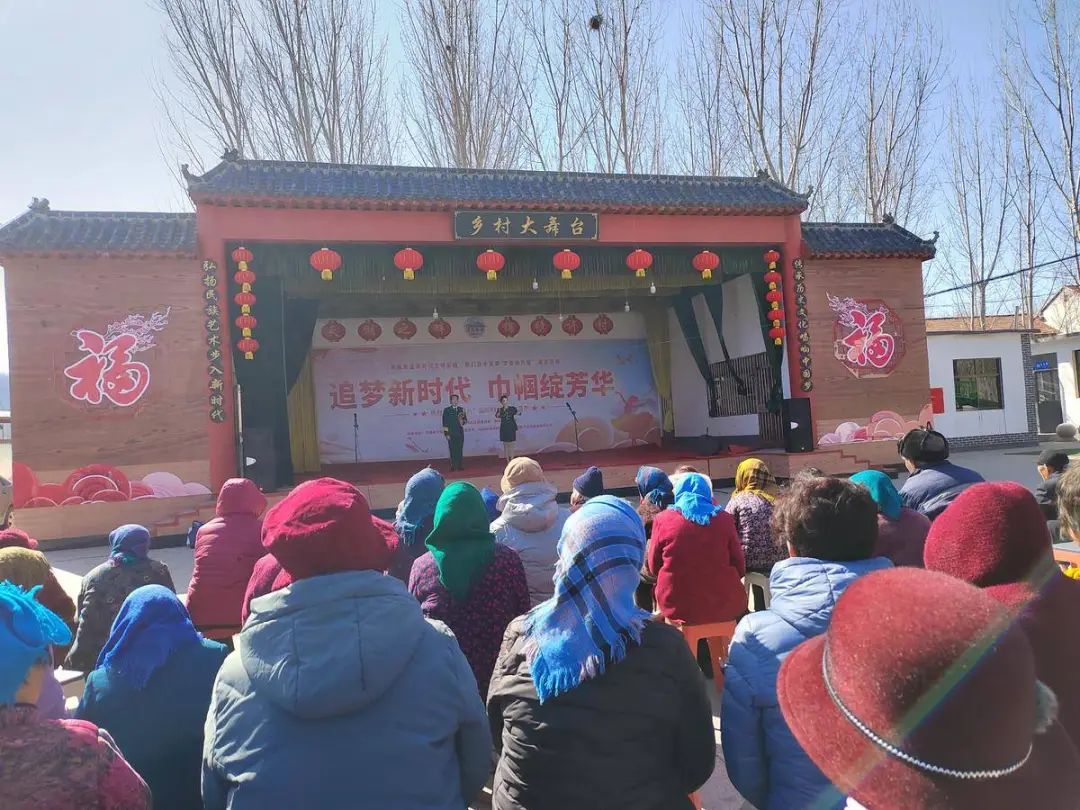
(977, 384)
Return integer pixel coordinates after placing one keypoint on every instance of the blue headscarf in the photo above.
(694, 499)
(414, 518)
(27, 630)
(882, 490)
(151, 625)
(592, 620)
(129, 543)
(491, 502)
(654, 486)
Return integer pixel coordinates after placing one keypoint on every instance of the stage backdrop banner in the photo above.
(385, 403)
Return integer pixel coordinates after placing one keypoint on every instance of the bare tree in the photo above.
(782, 61)
(619, 104)
(707, 132)
(981, 196)
(899, 68)
(1044, 88)
(461, 93)
(285, 79)
(1028, 212)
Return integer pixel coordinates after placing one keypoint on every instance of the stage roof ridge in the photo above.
(240, 180)
(864, 240)
(41, 229)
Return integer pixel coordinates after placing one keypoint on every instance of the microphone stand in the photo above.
(577, 440)
(355, 439)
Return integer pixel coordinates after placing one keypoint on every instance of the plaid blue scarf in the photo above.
(591, 620)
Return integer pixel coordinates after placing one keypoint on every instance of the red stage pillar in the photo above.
(222, 435)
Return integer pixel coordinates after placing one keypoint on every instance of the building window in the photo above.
(978, 384)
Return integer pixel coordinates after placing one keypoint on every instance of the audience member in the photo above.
(28, 568)
(695, 555)
(54, 764)
(16, 538)
(591, 704)
(901, 531)
(1051, 466)
(829, 528)
(751, 506)
(808, 472)
(413, 520)
(922, 694)
(468, 581)
(994, 537)
(934, 481)
(530, 523)
(491, 502)
(590, 484)
(226, 550)
(684, 470)
(656, 493)
(105, 588)
(343, 654)
(151, 690)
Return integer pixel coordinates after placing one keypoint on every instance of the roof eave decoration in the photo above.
(42, 232)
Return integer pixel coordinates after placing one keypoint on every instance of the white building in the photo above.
(981, 382)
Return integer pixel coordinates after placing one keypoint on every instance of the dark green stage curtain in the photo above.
(714, 298)
(684, 312)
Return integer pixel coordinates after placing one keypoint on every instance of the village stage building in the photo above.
(314, 318)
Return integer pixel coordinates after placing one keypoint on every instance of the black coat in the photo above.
(1046, 495)
(639, 737)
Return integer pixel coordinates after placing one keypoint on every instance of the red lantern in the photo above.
(508, 327)
(248, 346)
(774, 296)
(408, 261)
(777, 334)
(639, 261)
(244, 300)
(369, 330)
(566, 261)
(773, 279)
(245, 278)
(540, 326)
(333, 331)
(491, 262)
(602, 324)
(245, 323)
(771, 258)
(326, 261)
(242, 256)
(705, 262)
(439, 329)
(775, 315)
(572, 325)
(405, 329)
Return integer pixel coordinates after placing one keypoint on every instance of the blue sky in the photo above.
(80, 124)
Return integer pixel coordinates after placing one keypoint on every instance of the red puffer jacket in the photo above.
(698, 569)
(226, 550)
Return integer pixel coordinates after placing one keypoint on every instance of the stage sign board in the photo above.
(386, 403)
(535, 226)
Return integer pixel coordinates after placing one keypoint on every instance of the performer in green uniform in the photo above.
(453, 427)
(507, 416)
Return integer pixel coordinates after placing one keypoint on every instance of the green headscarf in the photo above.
(882, 490)
(460, 541)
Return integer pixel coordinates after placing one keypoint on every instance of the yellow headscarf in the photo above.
(753, 476)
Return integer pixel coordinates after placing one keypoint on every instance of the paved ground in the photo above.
(718, 794)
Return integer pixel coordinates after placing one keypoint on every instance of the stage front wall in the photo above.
(396, 394)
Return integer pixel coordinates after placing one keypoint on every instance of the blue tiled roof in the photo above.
(863, 240)
(41, 229)
(238, 180)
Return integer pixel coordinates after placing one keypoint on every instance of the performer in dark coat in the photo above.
(453, 427)
(507, 416)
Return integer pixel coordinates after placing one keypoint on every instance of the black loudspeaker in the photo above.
(798, 429)
(260, 457)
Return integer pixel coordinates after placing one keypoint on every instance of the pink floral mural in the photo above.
(883, 425)
(868, 337)
(96, 483)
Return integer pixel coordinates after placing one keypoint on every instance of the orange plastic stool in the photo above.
(717, 637)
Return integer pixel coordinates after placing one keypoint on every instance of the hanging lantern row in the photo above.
(245, 299)
(774, 297)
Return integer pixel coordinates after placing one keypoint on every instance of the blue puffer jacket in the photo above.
(933, 487)
(764, 762)
(341, 695)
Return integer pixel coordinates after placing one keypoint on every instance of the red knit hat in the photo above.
(16, 538)
(323, 527)
(932, 702)
(994, 536)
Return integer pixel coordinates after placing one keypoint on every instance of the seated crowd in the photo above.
(911, 653)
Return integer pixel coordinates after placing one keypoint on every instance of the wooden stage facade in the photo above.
(384, 483)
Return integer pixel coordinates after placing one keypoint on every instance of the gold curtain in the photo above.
(303, 440)
(658, 340)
